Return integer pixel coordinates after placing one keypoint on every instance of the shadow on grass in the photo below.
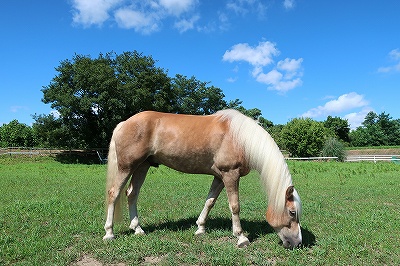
(308, 238)
(254, 229)
(78, 157)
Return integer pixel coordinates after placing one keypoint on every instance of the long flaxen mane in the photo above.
(264, 156)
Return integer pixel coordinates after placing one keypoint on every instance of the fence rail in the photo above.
(373, 158)
(102, 152)
(312, 158)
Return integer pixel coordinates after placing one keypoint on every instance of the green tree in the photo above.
(51, 133)
(93, 95)
(191, 96)
(340, 127)
(16, 134)
(303, 137)
(275, 132)
(376, 130)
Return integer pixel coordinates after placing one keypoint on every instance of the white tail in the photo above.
(112, 173)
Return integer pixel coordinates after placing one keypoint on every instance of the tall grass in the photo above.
(53, 214)
(334, 148)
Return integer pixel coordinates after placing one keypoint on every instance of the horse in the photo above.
(226, 145)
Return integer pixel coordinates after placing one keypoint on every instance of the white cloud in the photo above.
(355, 119)
(17, 108)
(92, 12)
(177, 7)
(144, 16)
(131, 19)
(394, 55)
(288, 4)
(150, 15)
(55, 113)
(260, 55)
(244, 7)
(186, 24)
(231, 79)
(283, 77)
(290, 65)
(343, 103)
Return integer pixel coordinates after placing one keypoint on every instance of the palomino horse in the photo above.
(226, 145)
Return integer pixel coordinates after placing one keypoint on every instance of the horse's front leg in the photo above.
(231, 181)
(133, 193)
(216, 188)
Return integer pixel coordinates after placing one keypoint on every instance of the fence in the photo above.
(373, 158)
(354, 158)
(101, 153)
(312, 158)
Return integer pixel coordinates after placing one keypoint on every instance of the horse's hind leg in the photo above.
(113, 202)
(216, 188)
(133, 192)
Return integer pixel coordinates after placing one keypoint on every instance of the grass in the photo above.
(53, 214)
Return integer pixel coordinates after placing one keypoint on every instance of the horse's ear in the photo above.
(289, 193)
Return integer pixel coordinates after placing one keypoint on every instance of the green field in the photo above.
(53, 214)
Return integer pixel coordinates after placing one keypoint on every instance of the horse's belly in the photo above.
(190, 163)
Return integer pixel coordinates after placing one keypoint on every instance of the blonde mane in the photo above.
(263, 155)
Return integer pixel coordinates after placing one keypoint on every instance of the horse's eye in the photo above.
(292, 213)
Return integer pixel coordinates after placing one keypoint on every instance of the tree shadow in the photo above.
(78, 157)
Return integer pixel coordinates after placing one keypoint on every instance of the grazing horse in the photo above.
(226, 145)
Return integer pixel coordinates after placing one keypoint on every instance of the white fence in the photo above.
(353, 158)
(312, 158)
(101, 153)
(373, 158)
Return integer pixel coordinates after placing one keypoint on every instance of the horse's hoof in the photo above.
(200, 232)
(243, 242)
(139, 231)
(108, 237)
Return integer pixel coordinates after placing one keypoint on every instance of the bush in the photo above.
(303, 137)
(334, 148)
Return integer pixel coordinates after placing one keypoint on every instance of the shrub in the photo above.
(334, 148)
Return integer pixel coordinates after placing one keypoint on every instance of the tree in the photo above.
(340, 127)
(16, 134)
(191, 96)
(93, 95)
(303, 137)
(51, 133)
(376, 130)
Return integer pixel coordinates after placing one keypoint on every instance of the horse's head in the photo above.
(287, 223)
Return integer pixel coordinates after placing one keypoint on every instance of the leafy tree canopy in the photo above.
(93, 95)
(16, 134)
(340, 127)
(377, 130)
(303, 137)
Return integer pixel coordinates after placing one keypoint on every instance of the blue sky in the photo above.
(289, 58)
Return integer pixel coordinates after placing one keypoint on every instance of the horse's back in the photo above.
(186, 143)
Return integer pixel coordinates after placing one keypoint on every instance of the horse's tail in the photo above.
(112, 174)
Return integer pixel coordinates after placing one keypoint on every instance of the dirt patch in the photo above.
(88, 260)
(393, 151)
(151, 260)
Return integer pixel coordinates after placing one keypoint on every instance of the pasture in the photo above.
(53, 214)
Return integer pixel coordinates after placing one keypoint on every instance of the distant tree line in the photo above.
(92, 95)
